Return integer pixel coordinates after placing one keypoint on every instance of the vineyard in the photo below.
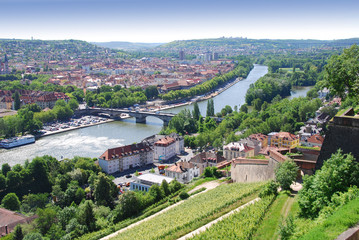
(240, 225)
(192, 210)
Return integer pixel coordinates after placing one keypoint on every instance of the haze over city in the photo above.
(165, 21)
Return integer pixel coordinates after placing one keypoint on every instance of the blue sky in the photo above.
(164, 21)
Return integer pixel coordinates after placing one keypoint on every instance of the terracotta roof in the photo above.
(7, 217)
(165, 141)
(180, 167)
(119, 152)
(285, 136)
(258, 136)
(318, 139)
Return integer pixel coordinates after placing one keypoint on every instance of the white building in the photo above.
(145, 181)
(164, 149)
(126, 157)
(184, 172)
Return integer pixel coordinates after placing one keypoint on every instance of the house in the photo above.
(237, 149)
(313, 141)
(145, 181)
(206, 159)
(284, 139)
(184, 172)
(7, 102)
(9, 220)
(126, 157)
(263, 139)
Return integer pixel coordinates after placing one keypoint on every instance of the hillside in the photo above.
(264, 44)
(47, 50)
(132, 46)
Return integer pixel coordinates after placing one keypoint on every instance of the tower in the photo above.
(6, 65)
(181, 55)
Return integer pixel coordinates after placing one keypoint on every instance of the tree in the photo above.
(46, 217)
(165, 188)
(2, 182)
(11, 202)
(5, 168)
(337, 174)
(86, 215)
(17, 102)
(104, 190)
(151, 92)
(73, 104)
(342, 72)
(17, 234)
(210, 108)
(196, 113)
(286, 173)
(128, 206)
(33, 236)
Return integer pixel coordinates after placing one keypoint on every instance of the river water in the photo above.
(93, 141)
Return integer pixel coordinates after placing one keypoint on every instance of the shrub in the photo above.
(184, 195)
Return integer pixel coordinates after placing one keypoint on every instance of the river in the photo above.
(93, 141)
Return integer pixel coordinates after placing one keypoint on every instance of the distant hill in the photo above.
(259, 43)
(127, 45)
(53, 49)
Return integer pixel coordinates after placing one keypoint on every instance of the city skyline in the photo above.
(161, 21)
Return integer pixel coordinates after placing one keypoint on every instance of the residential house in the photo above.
(284, 139)
(206, 159)
(313, 141)
(9, 219)
(126, 157)
(236, 149)
(263, 139)
(184, 172)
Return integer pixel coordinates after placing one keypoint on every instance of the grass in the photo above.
(198, 182)
(270, 224)
(346, 217)
(257, 157)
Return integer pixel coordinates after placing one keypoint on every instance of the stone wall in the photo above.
(253, 171)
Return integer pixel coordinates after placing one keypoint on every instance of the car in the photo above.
(128, 184)
(128, 176)
(139, 173)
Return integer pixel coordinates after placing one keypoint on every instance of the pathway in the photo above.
(208, 225)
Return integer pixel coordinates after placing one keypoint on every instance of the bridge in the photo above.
(116, 114)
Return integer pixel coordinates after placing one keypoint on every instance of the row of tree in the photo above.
(242, 69)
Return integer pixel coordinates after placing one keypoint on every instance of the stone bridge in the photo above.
(116, 114)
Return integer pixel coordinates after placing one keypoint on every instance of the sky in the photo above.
(159, 21)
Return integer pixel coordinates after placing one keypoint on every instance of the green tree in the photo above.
(73, 104)
(11, 202)
(342, 72)
(104, 191)
(86, 216)
(337, 174)
(33, 236)
(286, 173)
(165, 188)
(2, 182)
(210, 108)
(17, 234)
(196, 113)
(151, 92)
(17, 102)
(46, 217)
(128, 205)
(5, 168)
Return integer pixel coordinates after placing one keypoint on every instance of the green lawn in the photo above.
(270, 224)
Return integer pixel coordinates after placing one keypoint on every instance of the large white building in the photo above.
(145, 181)
(126, 157)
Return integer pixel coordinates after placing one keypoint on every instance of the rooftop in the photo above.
(154, 178)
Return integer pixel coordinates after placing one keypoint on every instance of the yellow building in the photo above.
(261, 138)
(285, 140)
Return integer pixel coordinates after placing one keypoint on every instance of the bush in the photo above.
(271, 188)
(11, 202)
(184, 195)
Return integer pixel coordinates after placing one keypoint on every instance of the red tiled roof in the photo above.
(180, 167)
(165, 141)
(285, 136)
(318, 139)
(119, 152)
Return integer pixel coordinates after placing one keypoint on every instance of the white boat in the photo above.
(17, 141)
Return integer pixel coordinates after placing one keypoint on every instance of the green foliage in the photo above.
(33, 236)
(286, 229)
(210, 108)
(11, 202)
(5, 168)
(46, 217)
(271, 188)
(286, 173)
(151, 92)
(17, 234)
(337, 174)
(342, 72)
(183, 123)
(196, 113)
(183, 195)
(104, 191)
(86, 215)
(210, 172)
(31, 201)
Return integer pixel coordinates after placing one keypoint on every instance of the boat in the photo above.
(17, 141)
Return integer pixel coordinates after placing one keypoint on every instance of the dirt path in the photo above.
(208, 225)
(207, 185)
